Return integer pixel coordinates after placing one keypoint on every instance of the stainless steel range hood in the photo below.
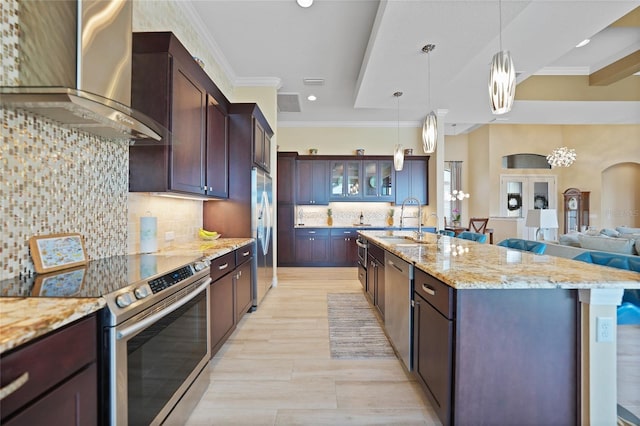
(74, 66)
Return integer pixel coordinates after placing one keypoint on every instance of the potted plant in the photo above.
(390, 217)
(455, 217)
(329, 217)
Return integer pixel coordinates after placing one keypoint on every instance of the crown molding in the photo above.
(216, 52)
(563, 71)
(352, 124)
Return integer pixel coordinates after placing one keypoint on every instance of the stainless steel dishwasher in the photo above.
(398, 276)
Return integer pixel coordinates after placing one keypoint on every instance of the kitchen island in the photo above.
(503, 336)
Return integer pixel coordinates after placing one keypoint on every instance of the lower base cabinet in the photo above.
(497, 356)
(222, 311)
(375, 288)
(231, 293)
(61, 385)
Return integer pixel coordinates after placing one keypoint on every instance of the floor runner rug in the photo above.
(354, 331)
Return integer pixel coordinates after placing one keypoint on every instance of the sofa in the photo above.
(621, 240)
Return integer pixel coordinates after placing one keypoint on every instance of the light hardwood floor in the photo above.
(276, 367)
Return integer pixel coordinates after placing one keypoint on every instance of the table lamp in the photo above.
(542, 219)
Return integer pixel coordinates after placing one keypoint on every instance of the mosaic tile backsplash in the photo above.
(56, 180)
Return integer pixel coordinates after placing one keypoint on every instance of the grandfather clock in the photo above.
(576, 209)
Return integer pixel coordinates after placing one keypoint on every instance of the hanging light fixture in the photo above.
(430, 126)
(456, 195)
(561, 157)
(398, 153)
(502, 78)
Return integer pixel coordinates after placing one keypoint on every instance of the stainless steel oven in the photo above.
(363, 246)
(158, 351)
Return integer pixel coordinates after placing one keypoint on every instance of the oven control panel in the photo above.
(166, 281)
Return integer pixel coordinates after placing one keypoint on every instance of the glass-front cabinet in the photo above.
(346, 180)
(378, 180)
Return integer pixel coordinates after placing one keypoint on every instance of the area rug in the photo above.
(354, 331)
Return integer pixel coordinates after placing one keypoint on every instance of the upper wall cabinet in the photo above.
(378, 180)
(345, 183)
(170, 87)
(412, 180)
(311, 182)
(261, 146)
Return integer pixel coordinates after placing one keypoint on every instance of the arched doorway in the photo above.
(621, 195)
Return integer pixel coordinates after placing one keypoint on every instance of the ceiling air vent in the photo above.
(289, 102)
(313, 81)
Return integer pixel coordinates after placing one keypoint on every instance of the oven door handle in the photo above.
(123, 334)
(361, 244)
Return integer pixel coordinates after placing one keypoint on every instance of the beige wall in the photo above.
(598, 147)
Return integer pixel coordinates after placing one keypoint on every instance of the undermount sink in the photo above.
(402, 241)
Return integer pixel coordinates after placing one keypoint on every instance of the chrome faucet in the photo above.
(419, 233)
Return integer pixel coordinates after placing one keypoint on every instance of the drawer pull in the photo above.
(14, 386)
(223, 266)
(429, 290)
(246, 253)
(312, 232)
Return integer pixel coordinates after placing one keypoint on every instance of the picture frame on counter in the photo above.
(54, 252)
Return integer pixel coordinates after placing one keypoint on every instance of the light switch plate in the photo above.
(169, 236)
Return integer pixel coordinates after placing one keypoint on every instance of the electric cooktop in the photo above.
(98, 277)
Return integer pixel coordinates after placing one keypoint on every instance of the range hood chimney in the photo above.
(74, 66)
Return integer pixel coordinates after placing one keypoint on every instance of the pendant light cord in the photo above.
(500, 20)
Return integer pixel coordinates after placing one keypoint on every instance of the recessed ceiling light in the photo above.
(304, 3)
(311, 98)
(583, 42)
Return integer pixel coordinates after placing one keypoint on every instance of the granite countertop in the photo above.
(25, 318)
(464, 264)
(209, 249)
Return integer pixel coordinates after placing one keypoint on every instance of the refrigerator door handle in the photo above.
(265, 223)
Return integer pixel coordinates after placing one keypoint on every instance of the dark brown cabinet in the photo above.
(519, 346)
(378, 180)
(412, 180)
(261, 147)
(375, 288)
(169, 86)
(286, 208)
(345, 182)
(222, 313)
(233, 217)
(433, 341)
(243, 286)
(59, 388)
(217, 151)
(344, 251)
(311, 182)
(312, 247)
(231, 293)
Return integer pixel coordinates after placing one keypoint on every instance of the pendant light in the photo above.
(398, 153)
(502, 78)
(430, 126)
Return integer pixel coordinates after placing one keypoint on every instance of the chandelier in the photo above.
(502, 78)
(562, 157)
(430, 126)
(456, 195)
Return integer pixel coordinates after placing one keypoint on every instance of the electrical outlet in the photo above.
(604, 329)
(169, 236)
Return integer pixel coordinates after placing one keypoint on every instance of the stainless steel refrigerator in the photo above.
(261, 229)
